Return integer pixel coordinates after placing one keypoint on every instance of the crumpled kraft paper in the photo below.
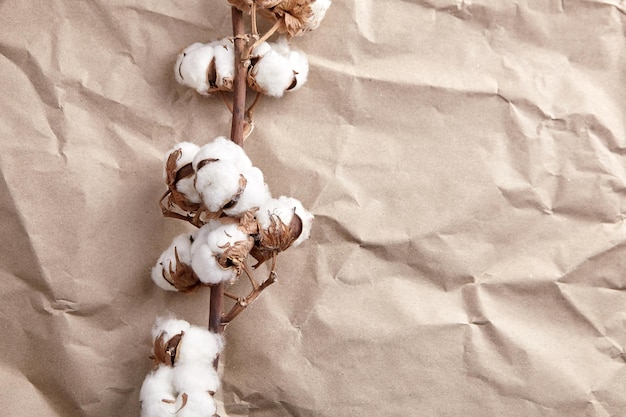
(465, 164)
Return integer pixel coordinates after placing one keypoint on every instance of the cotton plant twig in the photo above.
(265, 37)
(242, 302)
(239, 85)
(216, 308)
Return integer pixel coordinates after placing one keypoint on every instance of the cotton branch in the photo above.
(236, 134)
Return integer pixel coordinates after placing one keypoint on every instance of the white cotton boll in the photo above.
(203, 260)
(284, 207)
(256, 193)
(192, 65)
(199, 346)
(195, 377)
(195, 404)
(319, 8)
(207, 269)
(180, 245)
(273, 73)
(224, 52)
(224, 236)
(297, 59)
(157, 395)
(169, 327)
(223, 149)
(217, 183)
(300, 66)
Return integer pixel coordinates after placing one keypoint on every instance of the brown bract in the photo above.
(182, 277)
(248, 223)
(165, 352)
(276, 238)
(173, 176)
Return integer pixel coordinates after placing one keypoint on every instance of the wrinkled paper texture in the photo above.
(465, 161)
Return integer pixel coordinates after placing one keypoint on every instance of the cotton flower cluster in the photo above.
(274, 67)
(183, 380)
(294, 17)
(218, 189)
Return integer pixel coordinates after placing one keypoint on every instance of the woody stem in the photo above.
(239, 85)
(241, 304)
(216, 309)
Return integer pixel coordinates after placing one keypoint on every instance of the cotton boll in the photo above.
(169, 327)
(254, 195)
(181, 245)
(195, 377)
(157, 395)
(305, 216)
(199, 346)
(192, 65)
(319, 9)
(217, 183)
(206, 267)
(272, 74)
(203, 257)
(195, 404)
(284, 208)
(223, 149)
(224, 52)
(297, 59)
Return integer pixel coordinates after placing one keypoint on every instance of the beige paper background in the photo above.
(465, 163)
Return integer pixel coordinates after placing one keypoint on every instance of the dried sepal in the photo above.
(293, 15)
(165, 352)
(182, 277)
(174, 174)
(234, 255)
(184, 398)
(248, 223)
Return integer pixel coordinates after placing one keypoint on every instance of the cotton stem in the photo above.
(216, 308)
(242, 303)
